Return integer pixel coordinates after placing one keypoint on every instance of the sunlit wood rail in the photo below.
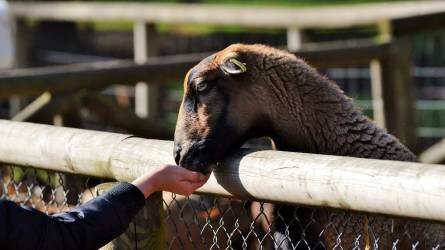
(380, 186)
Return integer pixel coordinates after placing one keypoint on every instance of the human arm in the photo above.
(87, 227)
(94, 223)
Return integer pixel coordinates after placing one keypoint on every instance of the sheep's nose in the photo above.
(177, 153)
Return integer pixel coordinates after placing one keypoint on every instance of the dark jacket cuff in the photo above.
(129, 196)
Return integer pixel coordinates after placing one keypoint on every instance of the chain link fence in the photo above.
(209, 222)
(201, 222)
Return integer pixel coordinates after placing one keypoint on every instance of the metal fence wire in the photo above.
(208, 222)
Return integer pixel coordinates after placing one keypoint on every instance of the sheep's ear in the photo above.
(232, 66)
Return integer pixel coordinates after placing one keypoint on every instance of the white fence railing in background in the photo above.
(389, 187)
(263, 17)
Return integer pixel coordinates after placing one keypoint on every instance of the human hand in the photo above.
(170, 178)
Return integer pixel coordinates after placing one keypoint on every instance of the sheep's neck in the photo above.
(324, 120)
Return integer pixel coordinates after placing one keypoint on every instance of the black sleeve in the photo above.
(89, 226)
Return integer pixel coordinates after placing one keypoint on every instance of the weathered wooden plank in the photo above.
(378, 105)
(381, 186)
(265, 17)
(92, 75)
(398, 92)
(101, 74)
(415, 24)
(295, 39)
(344, 53)
(146, 96)
(33, 107)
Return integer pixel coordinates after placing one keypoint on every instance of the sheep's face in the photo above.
(218, 109)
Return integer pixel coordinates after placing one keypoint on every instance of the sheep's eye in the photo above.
(203, 87)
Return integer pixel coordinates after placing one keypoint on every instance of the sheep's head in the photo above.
(220, 108)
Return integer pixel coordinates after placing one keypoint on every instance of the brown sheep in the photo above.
(246, 91)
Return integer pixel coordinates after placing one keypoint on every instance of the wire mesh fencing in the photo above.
(39, 189)
(209, 222)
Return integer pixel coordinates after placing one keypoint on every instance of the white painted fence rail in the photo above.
(389, 187)
(263, 17)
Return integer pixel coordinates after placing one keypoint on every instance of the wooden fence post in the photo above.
(146, 230)
(378, 104)
(146, 96)
(22, 36)
(398, 91)
(295, 39)
(22, 39)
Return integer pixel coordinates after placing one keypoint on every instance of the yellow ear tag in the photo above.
(233, 67)
(242, 66)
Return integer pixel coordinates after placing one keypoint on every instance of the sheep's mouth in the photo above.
(204, 157)
(205, 154)
(200, 159)
(204, 168)
(197, 164)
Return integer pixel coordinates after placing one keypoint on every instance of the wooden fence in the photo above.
(392, 96)
(378, 186)
(393, 22)
(124, 157)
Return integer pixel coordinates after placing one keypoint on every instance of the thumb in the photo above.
(195, 177)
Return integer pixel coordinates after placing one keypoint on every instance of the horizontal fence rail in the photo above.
(101, 74)
(388, 187)
(263, 17)
(92, 75)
